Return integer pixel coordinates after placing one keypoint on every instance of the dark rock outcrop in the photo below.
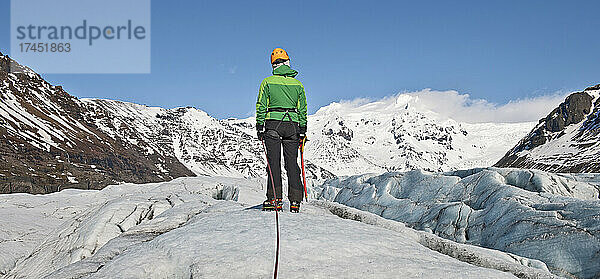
(49, 142)
(568, 137)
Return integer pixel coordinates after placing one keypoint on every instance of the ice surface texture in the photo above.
(206, 227)
(531, 214)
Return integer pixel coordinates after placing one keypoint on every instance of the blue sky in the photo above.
(214, 54)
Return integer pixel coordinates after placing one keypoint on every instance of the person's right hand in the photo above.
(301, 135)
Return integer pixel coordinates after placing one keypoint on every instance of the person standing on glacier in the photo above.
(281, 121)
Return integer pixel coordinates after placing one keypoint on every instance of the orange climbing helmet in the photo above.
(279, 53)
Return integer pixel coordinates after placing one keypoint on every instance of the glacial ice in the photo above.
(550, 217)
(207, 227)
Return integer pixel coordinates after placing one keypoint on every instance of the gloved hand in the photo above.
(260, 132)
(301, 134)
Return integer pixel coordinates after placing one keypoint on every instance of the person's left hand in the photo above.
(260, 132)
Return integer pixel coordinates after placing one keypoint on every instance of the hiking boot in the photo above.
(270, 205)
(295, 207)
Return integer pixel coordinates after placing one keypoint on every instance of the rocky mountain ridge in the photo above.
(567, 140)
(49, 141)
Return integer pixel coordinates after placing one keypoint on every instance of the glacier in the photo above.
(550, 217)
(210, 227)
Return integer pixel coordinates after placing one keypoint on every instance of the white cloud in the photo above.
(463, 108)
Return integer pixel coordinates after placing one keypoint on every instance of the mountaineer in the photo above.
(281, 122)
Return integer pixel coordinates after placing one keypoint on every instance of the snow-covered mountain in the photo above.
(203, 144)
(53, 140)
(399, 133)
(49, 141)
(344, 139)
(567, 140)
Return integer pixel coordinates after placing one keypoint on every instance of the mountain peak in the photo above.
(593, 88)
(8, 65)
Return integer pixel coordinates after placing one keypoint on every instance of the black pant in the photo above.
(278, 133)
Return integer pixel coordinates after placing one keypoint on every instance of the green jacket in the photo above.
(281, 90)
